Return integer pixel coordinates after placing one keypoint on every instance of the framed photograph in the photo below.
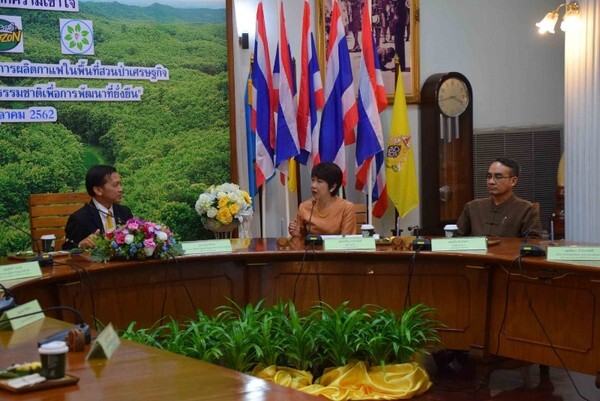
(395, 26)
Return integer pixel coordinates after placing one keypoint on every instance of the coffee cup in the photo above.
(48, 242)
(451, 230)
(367, 230)
(54, 359)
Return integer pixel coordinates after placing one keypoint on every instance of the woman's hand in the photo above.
(294, 229)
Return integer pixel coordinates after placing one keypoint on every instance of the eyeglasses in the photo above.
(497, 177)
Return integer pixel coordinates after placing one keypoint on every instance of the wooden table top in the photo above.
(136, 372)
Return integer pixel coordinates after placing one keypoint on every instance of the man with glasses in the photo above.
(503, 214)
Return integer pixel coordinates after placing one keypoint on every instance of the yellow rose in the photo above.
(223, 202)
(224, 216)
(234, 209)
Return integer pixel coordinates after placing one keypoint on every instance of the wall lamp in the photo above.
(570, 19)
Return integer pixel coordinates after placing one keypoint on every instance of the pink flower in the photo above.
(132, 225)
(149, 243)
(120, 238)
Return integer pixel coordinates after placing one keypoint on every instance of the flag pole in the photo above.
(263, 212)
(370, 193)
(287, 204)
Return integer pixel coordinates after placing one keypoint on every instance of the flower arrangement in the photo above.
(225, 204)
(137, 239)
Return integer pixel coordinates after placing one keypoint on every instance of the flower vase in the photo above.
(221, 231)
(244, 231)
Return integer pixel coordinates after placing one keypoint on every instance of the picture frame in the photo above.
(386, 15)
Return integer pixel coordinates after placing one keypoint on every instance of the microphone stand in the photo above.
(314, 239)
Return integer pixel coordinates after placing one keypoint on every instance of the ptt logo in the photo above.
(10, 35)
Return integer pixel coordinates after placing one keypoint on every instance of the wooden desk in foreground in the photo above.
(482, 299)
(136, 372)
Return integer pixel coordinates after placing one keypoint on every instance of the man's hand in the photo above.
(89, 241)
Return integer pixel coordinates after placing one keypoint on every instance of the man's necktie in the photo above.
(110, 225)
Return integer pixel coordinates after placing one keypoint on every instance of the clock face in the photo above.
(453, 97)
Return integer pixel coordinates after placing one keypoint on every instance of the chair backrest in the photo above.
(360, 211)
(48, 213)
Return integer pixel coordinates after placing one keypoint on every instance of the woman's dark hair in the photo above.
(511, 164)
(330, 173)
(96, 177)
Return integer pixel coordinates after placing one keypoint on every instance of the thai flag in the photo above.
(339, 114)
(372, 100)
(262, 106)
(286, 132)
(310, 94)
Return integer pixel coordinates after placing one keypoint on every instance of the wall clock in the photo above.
(446, 150)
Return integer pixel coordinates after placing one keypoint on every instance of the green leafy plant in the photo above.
(339, 333)
(300, 339)
(243, 338)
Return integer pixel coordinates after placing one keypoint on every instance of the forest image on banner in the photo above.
(168, 147)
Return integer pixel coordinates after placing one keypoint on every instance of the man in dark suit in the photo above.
(102, 213)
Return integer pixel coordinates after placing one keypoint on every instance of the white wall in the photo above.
(516, 74)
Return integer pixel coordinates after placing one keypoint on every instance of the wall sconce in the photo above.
(570, 19)
(245, 41)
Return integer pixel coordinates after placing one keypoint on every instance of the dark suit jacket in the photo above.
(86, 221)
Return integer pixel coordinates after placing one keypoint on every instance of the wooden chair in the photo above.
(360, 211)
(48, 214)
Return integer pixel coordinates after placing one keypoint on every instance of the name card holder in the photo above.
(206, 247)
(105, 345)
(573, 253)
(349, 244)
(20, 270)
(460, 244)
(22, 315)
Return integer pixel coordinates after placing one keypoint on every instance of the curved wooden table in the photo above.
(136, 373)
(488, 303)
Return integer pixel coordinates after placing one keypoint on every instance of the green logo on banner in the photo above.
(10, 35)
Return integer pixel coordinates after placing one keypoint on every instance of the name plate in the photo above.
(20, 270)
(207, 246)
(458, 244)
(349, 244)
(105, 345)
(567, 253)
(30, 312)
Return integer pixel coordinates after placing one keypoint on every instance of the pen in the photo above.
(503, 220)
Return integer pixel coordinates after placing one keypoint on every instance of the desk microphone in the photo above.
(420, 244)
(44, 259)
(528, 249)
(61, 335)
(315, 239)
(7, 301)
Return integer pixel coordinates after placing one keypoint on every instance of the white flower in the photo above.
(207, 203)
(148, 251)
(161, 236)
(129, 239)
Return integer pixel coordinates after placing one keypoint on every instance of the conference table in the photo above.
(136, 372)
(493, 303)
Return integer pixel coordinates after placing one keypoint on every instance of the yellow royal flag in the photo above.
(400, 162)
